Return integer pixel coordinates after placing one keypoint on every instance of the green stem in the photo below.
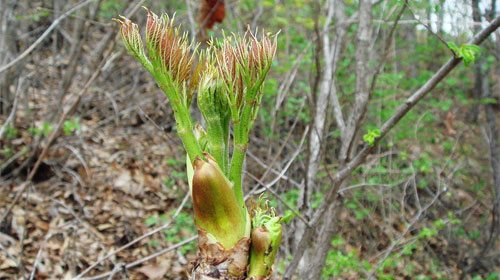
(242, 124)
(216, 143)
(257, 266)
(181, 114)
(185, 130)
(225, 134)
(241, 130)
(240, 140)
(145, 62)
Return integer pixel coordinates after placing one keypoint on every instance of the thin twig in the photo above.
(79, 157)
(12, 159)
(118, 268)
(145, 259)
(387, 47)
(14, 107)
(148, 234)
(39, 254)
(287, 138)
(284, 170)
(268, 186)
(429, 28)
(416, 218)
(44, 35)
(370, 185)
(192, 23)
(274, 171)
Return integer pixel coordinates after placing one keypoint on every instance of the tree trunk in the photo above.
(482, 91)
(364, 36)
(327, 96)
(348, 136)
(9, 77)
(326, 234)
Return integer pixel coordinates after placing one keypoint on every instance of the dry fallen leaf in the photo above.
(8, 263)
(154, 271)
(6, 240)
(126, 183)
(18, 222)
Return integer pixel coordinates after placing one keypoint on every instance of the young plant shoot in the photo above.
(228, 78)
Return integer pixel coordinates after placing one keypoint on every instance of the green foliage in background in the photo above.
(177, 232)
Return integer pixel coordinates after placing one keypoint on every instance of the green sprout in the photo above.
(466, 52)
(266, 237)
(370, 136)
(228, 78)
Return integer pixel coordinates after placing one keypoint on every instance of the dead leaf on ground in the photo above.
(155, 271)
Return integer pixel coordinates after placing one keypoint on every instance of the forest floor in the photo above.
(92, 195)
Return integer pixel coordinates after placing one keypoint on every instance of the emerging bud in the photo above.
(170, 51)
(131, 37)
(201, 136)
(212, 98)
(261, 54)
(260, 239)
(243, 63)
(223, 229)
(214, 105)
(230, 71)
(216, 209)
(266, 237)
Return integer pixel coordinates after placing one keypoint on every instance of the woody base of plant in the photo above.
(216, 262)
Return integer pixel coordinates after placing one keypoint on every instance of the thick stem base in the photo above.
(216, 262)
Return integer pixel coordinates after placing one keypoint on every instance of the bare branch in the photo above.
(371, 185)
(280, 150)
(44, 35)
(386, 48)
(39, 254)
(326, 90)
(14, 108)
(415, 219)
(272, 170)
(428, 28)
(145, 259)
(282, 173)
